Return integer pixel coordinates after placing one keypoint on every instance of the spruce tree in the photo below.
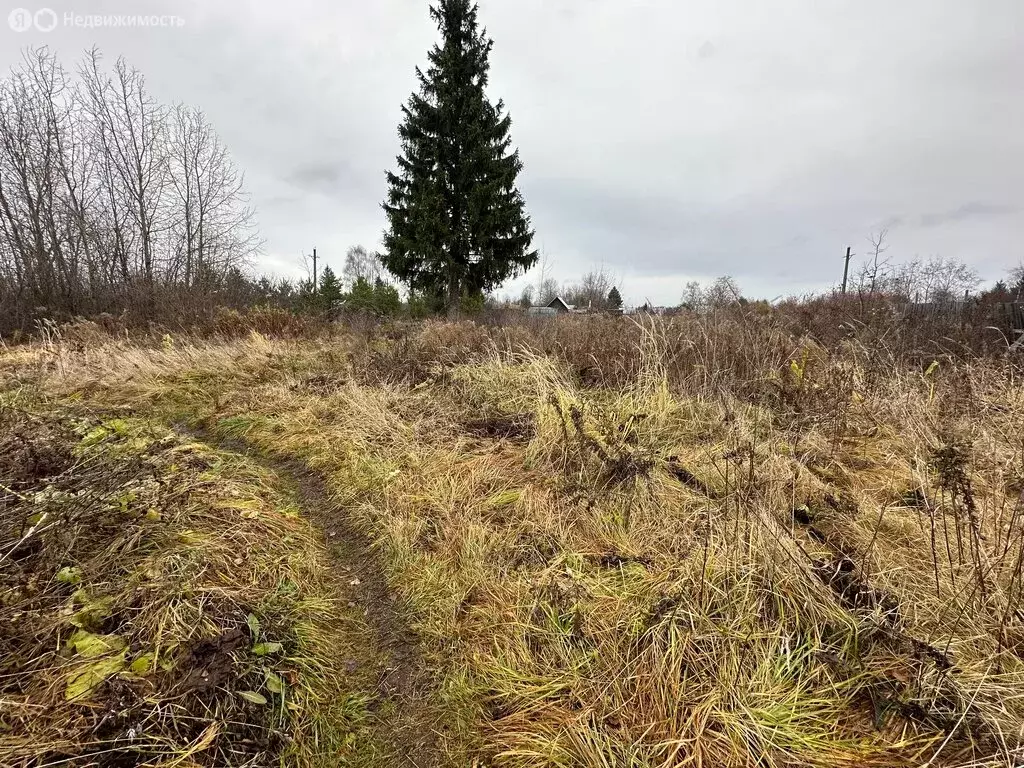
(614, 298)
(330, 290)
(457, 225)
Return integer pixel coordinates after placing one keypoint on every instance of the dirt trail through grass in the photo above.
(827, 575)
(386, 660)
(403, 723)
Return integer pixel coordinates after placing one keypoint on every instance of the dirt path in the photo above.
(386, 658)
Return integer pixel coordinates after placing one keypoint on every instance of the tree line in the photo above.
(109, 199)
(112, 202)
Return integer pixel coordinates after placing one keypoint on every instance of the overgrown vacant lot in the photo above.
(618, 544)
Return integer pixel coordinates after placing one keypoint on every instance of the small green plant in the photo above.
(798, 369)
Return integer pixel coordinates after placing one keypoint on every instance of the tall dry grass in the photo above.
(656, 543)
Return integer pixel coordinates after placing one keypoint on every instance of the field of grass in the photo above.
(605, 543)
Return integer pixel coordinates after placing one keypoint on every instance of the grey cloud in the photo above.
(323, 178)
(707, 50)
(662, 139)
(283, 201)
(966, 211)
(891, 222)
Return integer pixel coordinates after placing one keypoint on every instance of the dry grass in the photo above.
(163, 603)
(724, 549)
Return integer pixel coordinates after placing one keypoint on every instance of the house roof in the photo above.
(558, 300)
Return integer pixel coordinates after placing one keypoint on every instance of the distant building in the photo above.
(560, 306)
(557, 306)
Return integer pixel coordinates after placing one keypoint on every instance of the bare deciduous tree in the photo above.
(945, 280)
(874, 270)
(937, 280)
(693, 296)
(213, 225)
(107, 195)
(547, 286)
(361, 264)
(1017, 280)
(591, 291)
(724, 292)
(132, 129)
(547, 290)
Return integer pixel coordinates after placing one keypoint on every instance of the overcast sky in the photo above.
(666, 140)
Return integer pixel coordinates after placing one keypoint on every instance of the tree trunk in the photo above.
(454, 297)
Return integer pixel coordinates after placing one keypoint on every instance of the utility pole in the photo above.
(846, 269)
(316, 284)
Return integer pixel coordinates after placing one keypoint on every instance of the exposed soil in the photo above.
(210, 662)
(519, 426)
(406, 726)
(31, 451)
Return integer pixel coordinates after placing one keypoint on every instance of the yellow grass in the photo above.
(824, 572)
